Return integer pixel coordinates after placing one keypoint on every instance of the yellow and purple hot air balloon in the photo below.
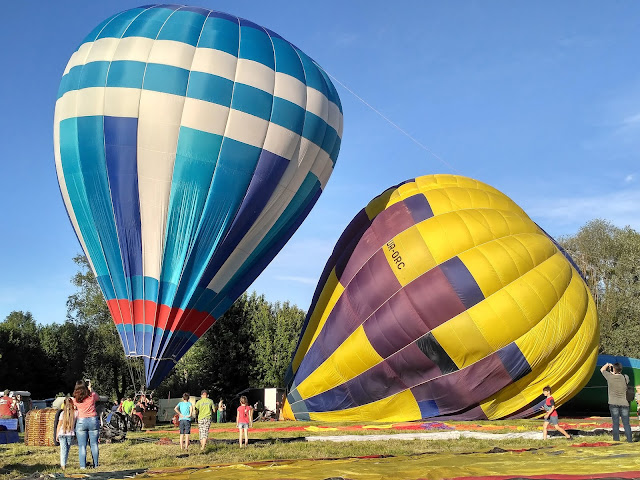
(189, 146)
(442, 298)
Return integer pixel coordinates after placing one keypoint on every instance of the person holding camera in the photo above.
(618, 404)
(88, 422)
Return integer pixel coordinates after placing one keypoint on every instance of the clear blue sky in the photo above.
(539, 99)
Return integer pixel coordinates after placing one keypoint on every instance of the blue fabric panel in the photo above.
(94, 74)
(294, 396)
(70, 81)
(331, 93)
(120, 139)
(419, 207)
(265, 179)
(288, 115)
(201, 298)
(287, 59)
(313, 77)
(255, 45)
(120, 22)
(210, 88)
(199, 10)
(92, 160)
(428, 408)
(126, 74)
(105, 284)
(514, 361)
(314, 128)
(329, 140)
(333, 155)
(225, 16)
(221, 33)
(299, 408)
(72, 171)
(96, 31)
(167, 291)
(151, 287)
(149, 23)
(252, 100)
(183, 26)
(462, 282)
(167, 79)
(137, 287)
(129, 339)
(196, 158)
(263, 254)
(231, 178)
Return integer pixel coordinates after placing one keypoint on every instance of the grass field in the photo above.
(152, 449)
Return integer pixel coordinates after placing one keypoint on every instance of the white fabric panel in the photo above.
(321, 163)
(63, 185)
(79, 56)
(136, 49)
(215, 62)
(281, 141)
(169, 52)
(335, 118)
(90, 104)
(102, 50)
(290, 89)
(158, 130)
(325, 174)
(246, 128)
(317, 104)
(255, 74)
(121, 102)
(205, 116)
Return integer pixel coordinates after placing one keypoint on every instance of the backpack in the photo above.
(631, 392)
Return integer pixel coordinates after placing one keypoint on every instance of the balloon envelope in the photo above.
(442, 298)
(189, 146)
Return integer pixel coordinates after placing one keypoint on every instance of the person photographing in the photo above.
(617, 397)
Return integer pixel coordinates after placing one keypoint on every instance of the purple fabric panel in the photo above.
(433, 298)
(385, 226)
(473, 413)
(394, 375)
(465, 387)
(374, 284)
(414, 367)
(419, 207)
(394, 325)
(348, 242)
(462, 282)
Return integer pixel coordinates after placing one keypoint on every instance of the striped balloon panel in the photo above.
(442, 298)
(189, 145)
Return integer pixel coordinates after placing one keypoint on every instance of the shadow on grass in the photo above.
(34, 472)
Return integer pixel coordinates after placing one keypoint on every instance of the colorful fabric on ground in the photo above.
(558, 463)
(442, 298)
(189, 146)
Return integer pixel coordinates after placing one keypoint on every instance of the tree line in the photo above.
(252, 343)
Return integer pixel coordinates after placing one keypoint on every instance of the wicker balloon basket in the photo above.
(40, 427)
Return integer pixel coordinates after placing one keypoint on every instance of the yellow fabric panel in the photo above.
(396, 408)
(378, 204)
(453, 233)
(506, 315)
(458, 199)
(497, 263)
(461, 339)
(331, 292)
(562, 350)
(516, 308)
(287, 413)
(408, 256)
(349, 360)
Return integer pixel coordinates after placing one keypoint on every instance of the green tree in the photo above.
(609, 257)
(104, 360)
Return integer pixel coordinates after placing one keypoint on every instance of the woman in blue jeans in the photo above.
(618, 404)
(88, 422)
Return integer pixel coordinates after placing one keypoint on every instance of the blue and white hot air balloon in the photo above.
(189, 146)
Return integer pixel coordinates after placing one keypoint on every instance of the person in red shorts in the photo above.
(551, 415)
